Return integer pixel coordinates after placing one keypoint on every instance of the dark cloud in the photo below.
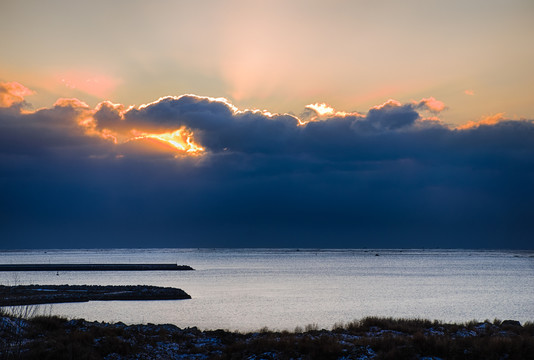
(48, 132)
(216, 123)
(382, 179)
(392, 116)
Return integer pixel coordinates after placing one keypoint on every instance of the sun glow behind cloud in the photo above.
(321, 109)
(181, 140)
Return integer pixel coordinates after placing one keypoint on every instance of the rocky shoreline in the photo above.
(49, 294)
(369, 338)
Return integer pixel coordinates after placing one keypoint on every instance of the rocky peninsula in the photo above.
(49, 294)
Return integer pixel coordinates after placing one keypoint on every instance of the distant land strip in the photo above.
(50, 294)
(93, 267)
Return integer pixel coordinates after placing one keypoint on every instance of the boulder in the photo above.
(511, 323)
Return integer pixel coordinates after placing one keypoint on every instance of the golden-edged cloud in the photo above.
(191, 125)
(322, 111)
(181, 140)
(488, 120)
(12, 93)
(431, 104)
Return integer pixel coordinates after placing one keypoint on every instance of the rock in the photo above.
(511, 323)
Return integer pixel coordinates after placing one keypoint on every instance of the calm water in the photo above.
(249, 289)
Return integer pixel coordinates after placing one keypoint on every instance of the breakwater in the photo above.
(94, 267)
(50, 294)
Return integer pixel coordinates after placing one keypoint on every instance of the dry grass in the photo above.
(50, 337)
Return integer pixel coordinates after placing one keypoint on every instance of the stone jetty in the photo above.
(93, 267)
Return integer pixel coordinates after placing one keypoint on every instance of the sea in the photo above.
(282, 289)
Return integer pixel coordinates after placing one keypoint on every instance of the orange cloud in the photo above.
(430, 118)
(13, 93)
(489, 120)
(84, 117)
(431, 104)
(71, 102)
(469, 92)
(388, 104)
(107, 121)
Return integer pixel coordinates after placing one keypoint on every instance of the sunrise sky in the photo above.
(267, 123)
(475, 56)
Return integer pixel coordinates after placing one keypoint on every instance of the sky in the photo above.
(345, 124)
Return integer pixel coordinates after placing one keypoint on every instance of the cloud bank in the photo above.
(197, 171)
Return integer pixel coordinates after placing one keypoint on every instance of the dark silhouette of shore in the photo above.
(51, 337)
